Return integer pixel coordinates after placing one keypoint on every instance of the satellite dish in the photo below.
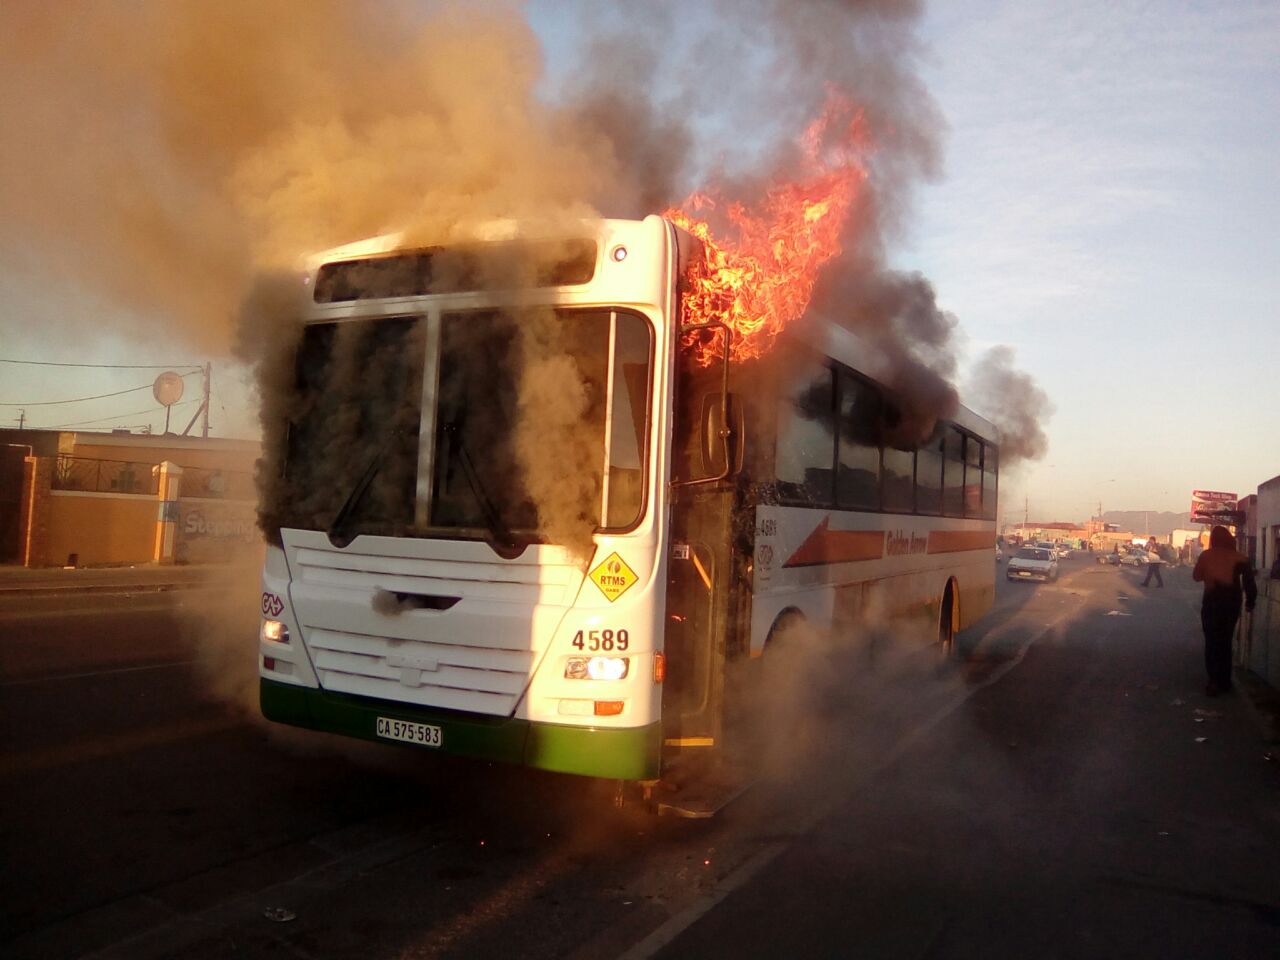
(167, 389)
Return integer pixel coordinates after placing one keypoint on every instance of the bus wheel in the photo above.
(787, 651)
(789, 637)
(947, 622)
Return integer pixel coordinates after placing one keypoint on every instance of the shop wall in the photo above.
(101, 528)
(215, 530)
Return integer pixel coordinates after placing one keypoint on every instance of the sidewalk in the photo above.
(22, 581)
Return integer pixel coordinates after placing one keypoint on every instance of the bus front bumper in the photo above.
(611, 752)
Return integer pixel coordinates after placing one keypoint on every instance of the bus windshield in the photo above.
(360, 388)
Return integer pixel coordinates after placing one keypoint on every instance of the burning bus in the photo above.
(536, 498)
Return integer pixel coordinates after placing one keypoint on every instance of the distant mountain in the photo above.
(1161, 523)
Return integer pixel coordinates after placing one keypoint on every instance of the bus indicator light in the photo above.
(659, 667)
(608, 708)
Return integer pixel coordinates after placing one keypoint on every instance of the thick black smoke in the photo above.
(161, 156)
(1011, 400)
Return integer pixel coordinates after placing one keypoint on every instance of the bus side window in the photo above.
(953, 474)
(897, 462)
(899, 472)
(805, 444)
(630, 416)
(858, 467)
(989, 466)
(929, 477)
(972, 477)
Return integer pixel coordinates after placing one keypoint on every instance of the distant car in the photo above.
(1133, 559)
(1112, 559)
(1062, 551)
(1033, 563)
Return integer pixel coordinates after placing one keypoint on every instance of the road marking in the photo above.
(97, 673)
(678, 923)
(20, 763)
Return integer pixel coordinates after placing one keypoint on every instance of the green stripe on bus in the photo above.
(615, 753)
(619, 753)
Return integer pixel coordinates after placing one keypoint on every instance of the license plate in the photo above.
(423, 734)
(1023, 573)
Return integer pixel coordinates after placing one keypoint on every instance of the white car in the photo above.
(1033, 563)
(1133, 559)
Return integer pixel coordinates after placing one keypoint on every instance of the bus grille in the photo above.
(456, 677)
(475, 654)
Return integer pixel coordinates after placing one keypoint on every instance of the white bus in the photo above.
(411, 596)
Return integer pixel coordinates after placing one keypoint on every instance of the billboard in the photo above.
(1214, 506)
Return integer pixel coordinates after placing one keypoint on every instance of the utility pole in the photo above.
(208, 385)
(1026, 515)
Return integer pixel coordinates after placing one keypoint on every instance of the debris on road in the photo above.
(279, 914)
(1201, 739)
(1177, 702)
(1209, 714)
(1117, 613)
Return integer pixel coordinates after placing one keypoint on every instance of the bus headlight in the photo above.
(597, 668)
(275, 631)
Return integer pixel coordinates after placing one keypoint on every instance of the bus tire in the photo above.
(947, 617)
(787, 640)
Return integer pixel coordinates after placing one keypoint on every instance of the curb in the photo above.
(55, 591)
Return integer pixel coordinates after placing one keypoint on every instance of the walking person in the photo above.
(1227, 577)
(1154, 563)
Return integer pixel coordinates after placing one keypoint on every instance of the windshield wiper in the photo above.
(504, 543)
(339, 534)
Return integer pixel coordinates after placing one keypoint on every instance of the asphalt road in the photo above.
(1046, 795)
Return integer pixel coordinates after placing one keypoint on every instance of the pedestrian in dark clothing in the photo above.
(1154, 563)
(1227, 576)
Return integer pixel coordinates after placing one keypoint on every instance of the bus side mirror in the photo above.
(719, 435)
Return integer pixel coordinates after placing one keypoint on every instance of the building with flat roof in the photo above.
(69, 497)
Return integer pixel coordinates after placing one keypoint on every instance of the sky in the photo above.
(1106, 206)
(1109, 209)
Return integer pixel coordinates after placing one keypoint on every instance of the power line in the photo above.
(101, 396)
(103, 366)
(116, 416)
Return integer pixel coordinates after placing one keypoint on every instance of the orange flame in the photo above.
(761, 279)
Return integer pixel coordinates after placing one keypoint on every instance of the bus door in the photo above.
(698, 614)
